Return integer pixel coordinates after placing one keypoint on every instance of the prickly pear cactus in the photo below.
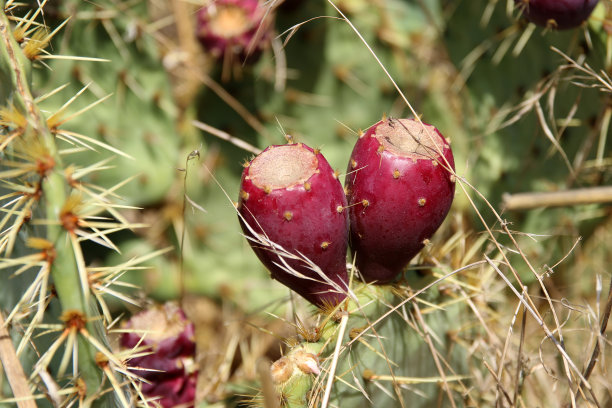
(536, 119)
(56, 303)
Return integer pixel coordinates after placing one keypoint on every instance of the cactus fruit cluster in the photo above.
(295, 214)
(400, 185)
(163, 341)
(557, 14)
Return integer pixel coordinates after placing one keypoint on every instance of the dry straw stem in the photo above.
(13, 370)
(581, 196)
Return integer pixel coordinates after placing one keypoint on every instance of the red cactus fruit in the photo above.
(557, 14)
(399, 191)
(234, 28)
(290, 194)
(169, 370)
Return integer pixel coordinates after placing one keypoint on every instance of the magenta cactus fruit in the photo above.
(399, 190)
(234, 28)
(169, 371)
(290, 194)
(557, 14)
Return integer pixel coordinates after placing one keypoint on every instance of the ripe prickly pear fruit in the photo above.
(399, 191)
(291, 195)
(557, 14)
(169, 370)
(234, 28)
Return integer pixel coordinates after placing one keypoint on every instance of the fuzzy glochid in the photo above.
(293, 211)
(400, 189)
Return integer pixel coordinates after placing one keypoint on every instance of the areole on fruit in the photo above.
(400, 188)
(291, 196)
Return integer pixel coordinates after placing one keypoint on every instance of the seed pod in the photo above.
(557, 14)
(290, 194)
(399, 192)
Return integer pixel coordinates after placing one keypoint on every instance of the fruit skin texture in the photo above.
(396, 200)
(305, 215)
(170, 338)
(234, 28)
(558, 14)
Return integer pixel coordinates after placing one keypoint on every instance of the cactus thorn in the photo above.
(289, 139)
